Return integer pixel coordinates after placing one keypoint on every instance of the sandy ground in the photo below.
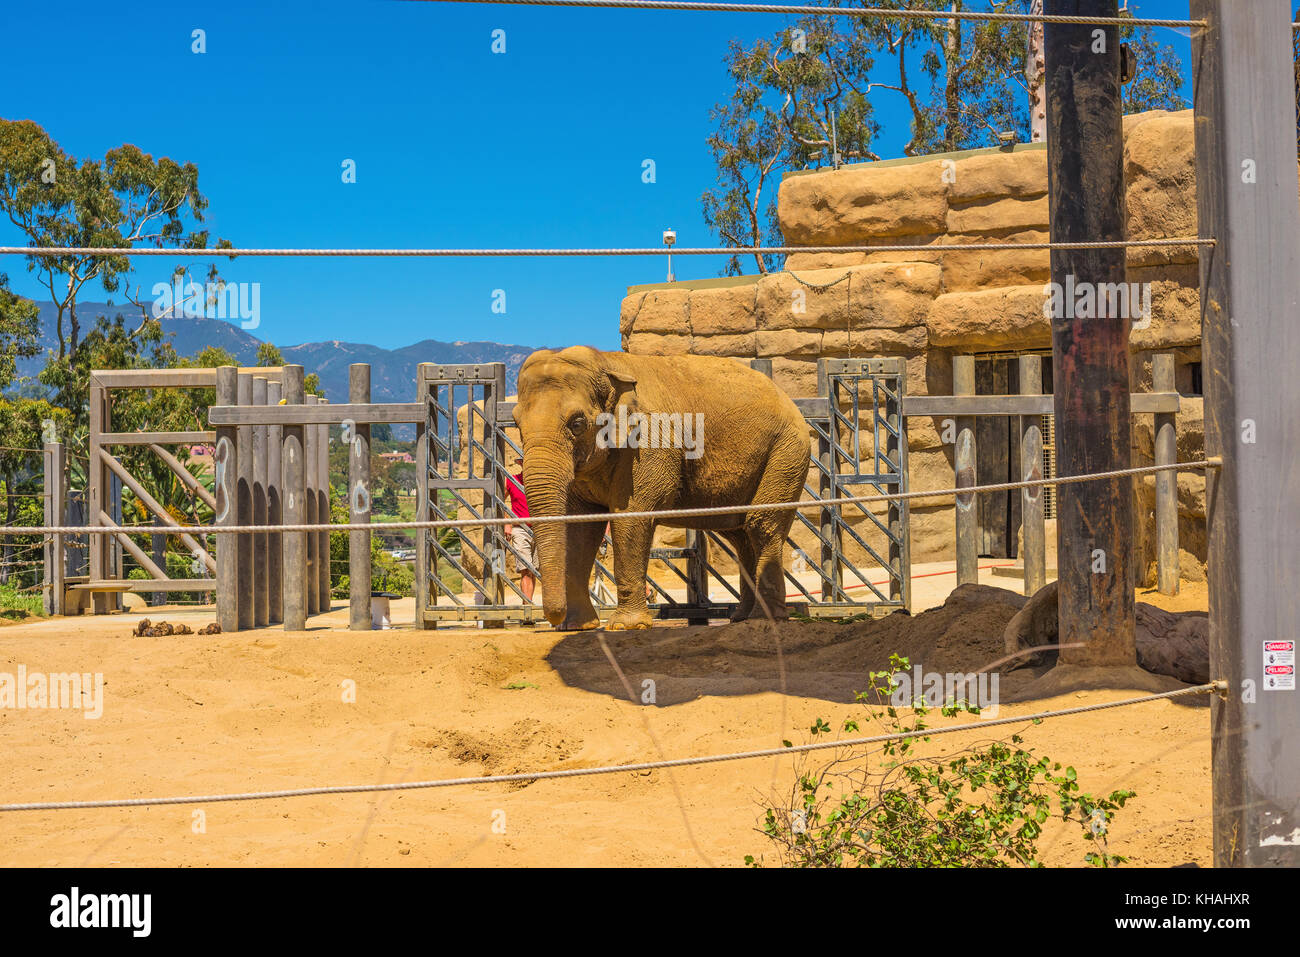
(266, 709)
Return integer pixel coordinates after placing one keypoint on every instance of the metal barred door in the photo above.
(465, 453)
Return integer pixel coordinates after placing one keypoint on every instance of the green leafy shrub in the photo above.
(17, 603)
(983, 807)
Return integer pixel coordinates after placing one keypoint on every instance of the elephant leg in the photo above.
(739, 541)
(632, 540)
(782, 481)
(768, 536)
(583, 541)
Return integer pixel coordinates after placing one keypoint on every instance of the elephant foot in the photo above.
(754, 612)
(583, 622)
(741, 614)
(629, 620)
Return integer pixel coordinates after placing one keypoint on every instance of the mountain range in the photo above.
(392, 371)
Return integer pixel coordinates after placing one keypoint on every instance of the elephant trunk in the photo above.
(548, 474)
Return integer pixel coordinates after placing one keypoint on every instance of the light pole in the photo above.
(670, 237)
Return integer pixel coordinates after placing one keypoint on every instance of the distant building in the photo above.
(402, 457)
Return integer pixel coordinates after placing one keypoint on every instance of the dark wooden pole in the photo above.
(1032, 518)
(1166, 453)
(967, 504)
(359, 617)
(1250, 296)
(1090, 340)
(227, 511)
(294, 462)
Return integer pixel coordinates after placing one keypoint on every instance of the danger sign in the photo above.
(1279, 666)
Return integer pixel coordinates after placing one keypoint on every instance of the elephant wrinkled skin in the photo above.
(749, 445)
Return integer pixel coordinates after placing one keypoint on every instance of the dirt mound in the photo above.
(820, 659)
(528, 744)
(1176, 644)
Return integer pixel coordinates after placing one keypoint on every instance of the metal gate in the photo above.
(465, 452)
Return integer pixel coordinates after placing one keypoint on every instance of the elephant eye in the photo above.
(577, 423)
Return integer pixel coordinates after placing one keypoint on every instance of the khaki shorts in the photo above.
(525, 544)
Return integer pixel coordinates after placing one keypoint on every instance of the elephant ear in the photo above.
(622, 381)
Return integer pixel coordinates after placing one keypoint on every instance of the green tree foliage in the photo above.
(127, 198)
(386, 572)
(808, 97)
(24, 424)
(268, 354)
(19, 332)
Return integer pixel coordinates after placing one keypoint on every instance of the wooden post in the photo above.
(227, 511)
(99, 480)
(1246, 186)
(311, 514)
(158, 548)
(274, 511)
(359, 616)
(1090, 343)
(116, 554)
(1166, 453)
(1032, 514)
(967, 503)
(261, 563)
(324, 567)
(294, 463)
(55, 513)
(96, 477)
(244, 506)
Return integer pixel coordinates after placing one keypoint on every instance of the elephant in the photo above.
(614, 432)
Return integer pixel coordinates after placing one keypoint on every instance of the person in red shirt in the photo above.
(521, 534)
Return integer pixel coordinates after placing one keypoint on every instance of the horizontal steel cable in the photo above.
(862, 12)
(612, 516)
(56, 251)
(603, 769)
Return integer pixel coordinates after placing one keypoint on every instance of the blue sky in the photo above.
(454, 146)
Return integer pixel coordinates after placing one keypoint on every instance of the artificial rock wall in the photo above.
(930, 305)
